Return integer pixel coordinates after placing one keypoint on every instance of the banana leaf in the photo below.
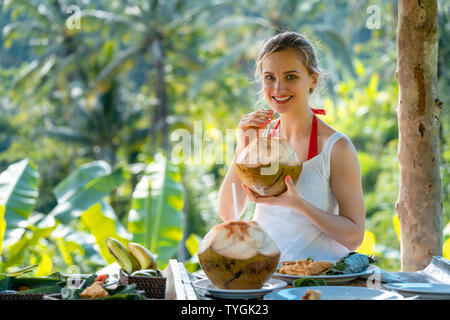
(83, 188)
(121, 292)
(2, 226)
(102, 225)
(156, 218)
(19, 241)
(72, 242)
(33, 284)
(18, 192)
(352, 263)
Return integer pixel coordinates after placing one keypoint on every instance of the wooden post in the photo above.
(419, 203)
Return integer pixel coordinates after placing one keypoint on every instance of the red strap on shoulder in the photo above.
(312, 152)
(319, 111)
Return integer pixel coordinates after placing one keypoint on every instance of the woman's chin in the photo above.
(279, 108)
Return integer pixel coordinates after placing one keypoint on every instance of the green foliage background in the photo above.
(71, 97)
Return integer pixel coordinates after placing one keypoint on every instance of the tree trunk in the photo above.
(159, 123)
(419, 203)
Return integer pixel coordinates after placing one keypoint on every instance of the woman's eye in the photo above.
(269, 77)
(291, 76)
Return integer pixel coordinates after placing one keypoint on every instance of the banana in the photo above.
(123, 257)
(146, 273)
(146, 259)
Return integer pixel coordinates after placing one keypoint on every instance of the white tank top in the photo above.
(296, 236)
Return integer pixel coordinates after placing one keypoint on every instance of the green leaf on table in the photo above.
(352, 263)
(305, 282)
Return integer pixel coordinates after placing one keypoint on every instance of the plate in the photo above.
(270, 285)
(424, 290)
(330, 279)
(335, 293)
(200, 274)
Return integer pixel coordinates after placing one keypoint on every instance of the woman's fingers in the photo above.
(265, 113)
(249, 193)
(259, 118)
(245, 124)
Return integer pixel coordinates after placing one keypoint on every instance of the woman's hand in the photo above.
(289, 198)
(255, 120)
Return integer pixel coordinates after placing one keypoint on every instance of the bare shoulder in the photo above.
(344, 157)
(324, 131)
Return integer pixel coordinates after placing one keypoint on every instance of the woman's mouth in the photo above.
(282, 100)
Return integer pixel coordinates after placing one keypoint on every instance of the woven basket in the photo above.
(154, 287)
(21, 296)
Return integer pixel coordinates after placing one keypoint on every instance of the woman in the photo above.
(322, 216)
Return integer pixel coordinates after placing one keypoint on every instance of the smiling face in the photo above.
(286, 81)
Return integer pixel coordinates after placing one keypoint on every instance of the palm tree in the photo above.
(73, 63)
(43, 25)
(251, 22)
(157, 29)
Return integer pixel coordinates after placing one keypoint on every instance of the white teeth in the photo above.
(283, 99)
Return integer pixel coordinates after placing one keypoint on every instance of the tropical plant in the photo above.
(43, 25)
(170, 21)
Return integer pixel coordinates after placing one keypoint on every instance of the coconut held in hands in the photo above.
(264, 164)
(238, 255)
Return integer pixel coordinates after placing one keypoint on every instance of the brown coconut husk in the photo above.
(264, 164)
(238, 255)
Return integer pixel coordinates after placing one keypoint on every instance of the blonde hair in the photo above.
(291, 40)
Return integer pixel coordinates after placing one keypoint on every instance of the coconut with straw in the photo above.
(238, 254)
(264, 164)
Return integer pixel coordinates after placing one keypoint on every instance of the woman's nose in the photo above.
(279, 86)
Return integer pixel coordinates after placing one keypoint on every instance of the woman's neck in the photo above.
(296, 124)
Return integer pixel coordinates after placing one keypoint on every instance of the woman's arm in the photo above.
(256, 120)
(348, 227)
(226, 206)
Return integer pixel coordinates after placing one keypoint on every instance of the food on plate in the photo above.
(96, 287)
(146, 259)
(94, 291)
(238, 255)
(352, 263)
(312, 295)
(23, 288)
(307, 282)
(264, 164)
(135, 258)
(101, 278)
(304, 267)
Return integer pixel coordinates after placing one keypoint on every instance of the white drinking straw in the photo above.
(266, 132)
(233, 189)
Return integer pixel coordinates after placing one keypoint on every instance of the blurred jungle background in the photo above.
(91, 93)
